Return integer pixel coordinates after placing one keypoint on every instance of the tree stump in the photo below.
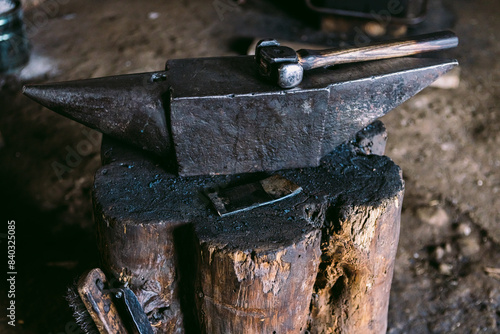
(320, 261)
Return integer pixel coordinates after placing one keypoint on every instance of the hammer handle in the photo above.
(310, 59)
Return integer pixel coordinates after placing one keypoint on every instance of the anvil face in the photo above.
(216, 116)
(225, 120)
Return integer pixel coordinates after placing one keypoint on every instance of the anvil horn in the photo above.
(218, 117)
(126, 107)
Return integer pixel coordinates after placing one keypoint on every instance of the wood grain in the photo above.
(100, 305)
(320, 261)
(310, 59)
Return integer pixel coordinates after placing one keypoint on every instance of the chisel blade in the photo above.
(248, 196)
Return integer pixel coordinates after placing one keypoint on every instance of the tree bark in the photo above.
(320, 261)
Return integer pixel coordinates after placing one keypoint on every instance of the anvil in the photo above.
(217, 116)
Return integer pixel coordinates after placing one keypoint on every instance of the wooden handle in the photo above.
(310, 59)
(99, 304)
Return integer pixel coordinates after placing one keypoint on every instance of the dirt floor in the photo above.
(447, 275)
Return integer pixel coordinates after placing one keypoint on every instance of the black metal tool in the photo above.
(217, 116)
(135, 317)
(286, 66)
(251, 195)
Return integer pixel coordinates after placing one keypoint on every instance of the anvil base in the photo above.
(320, 260)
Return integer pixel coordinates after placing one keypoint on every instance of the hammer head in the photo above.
(280, 64)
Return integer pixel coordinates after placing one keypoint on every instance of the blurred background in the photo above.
(447, 274)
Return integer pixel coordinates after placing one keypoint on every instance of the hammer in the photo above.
(286, 66)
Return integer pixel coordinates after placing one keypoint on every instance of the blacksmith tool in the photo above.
(286, 66)
(100, 308)
(217, 116)
(247, 196)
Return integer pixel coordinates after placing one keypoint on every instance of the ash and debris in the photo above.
(447, 274)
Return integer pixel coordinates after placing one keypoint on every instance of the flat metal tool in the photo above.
(248, 196)
(137, 320)
(218, 116)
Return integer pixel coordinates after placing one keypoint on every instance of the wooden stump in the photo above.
(320, 261)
